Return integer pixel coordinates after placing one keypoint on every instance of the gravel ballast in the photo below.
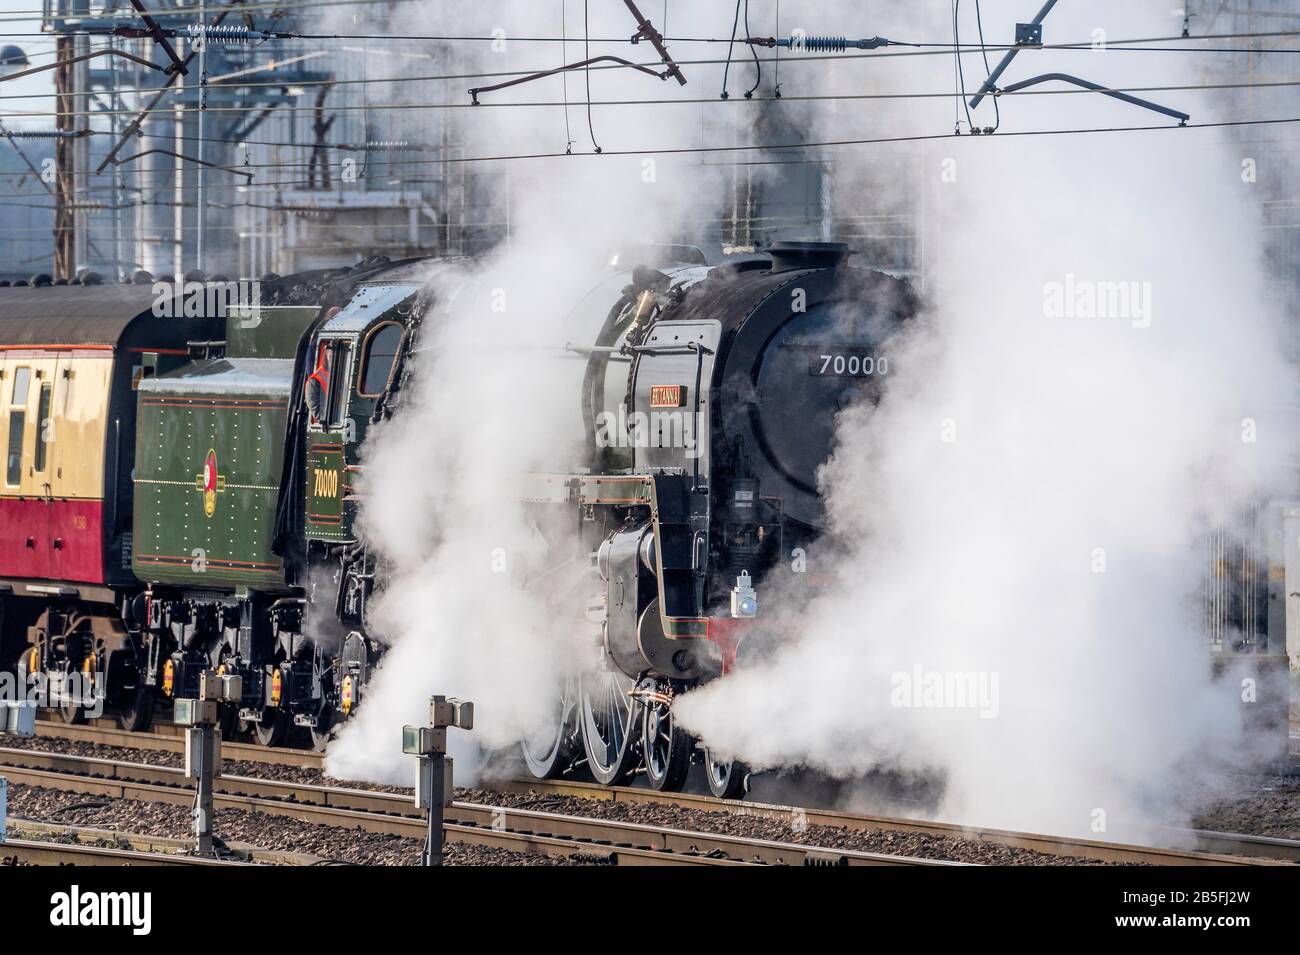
(259, 829)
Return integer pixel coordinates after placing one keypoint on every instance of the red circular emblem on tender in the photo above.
(209, 479)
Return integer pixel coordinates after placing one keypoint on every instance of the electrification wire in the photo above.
(929, 47)
(1114, 46)
(839, 143)
(997, 112)
(768, 147)
(726, 70)
(776, 69)
(956, 65)
(564, 74)
(758, 66)
(819, 97)
(961, 72)
(586, 55)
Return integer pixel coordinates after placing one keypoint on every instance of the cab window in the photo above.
(17, 424)
(326, 389)
(316, 391)
(338, 394)
(377, 363)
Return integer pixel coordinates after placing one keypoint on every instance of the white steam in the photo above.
(473, 604)
(1025, 503)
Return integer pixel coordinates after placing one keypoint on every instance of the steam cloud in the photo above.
(469, 605)
(1025, 502)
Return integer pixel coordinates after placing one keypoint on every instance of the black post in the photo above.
(433, 783)
(434, 841)
(201, 762)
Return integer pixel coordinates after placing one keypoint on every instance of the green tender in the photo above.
(209, 454)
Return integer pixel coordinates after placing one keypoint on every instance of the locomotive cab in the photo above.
(356, 353)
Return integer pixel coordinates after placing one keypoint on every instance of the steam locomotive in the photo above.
(709, 400)
(181, 487)
(181, 484)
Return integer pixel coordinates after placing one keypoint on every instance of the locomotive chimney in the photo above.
(807, 254)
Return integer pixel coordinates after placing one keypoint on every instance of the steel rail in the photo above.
(169, 738)
(1215, 844)
(236, 851)
(165, 738)
(552, 834)
(39, 852)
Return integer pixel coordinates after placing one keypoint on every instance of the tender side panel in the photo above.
(206, 484)
(53, 408)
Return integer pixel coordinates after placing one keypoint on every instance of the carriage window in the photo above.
(377, 365)
(44, 427)
(17, 424)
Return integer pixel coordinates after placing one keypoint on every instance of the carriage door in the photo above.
(24, 523)
(329, 430)
(40, 466)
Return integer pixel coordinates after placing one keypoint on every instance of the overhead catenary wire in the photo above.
(929, 48)
(1113, 46)
(961, 72)
(758, 66)
(997, 110)
(690, 101)
(586, 54)
(776, 147)
(564, 75)
(726, 70)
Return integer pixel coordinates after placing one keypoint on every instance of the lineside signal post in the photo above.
(16, 719)
(433, 786)
(203, 745)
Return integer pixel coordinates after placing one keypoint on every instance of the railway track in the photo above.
(1200, 842)
(170, 738)
(48, 852)
(546, 833)
(1197, 843)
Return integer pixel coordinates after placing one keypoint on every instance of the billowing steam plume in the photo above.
(1096, 381)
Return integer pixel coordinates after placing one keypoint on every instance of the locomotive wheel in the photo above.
(273, 728)
(323, 729)
(136, 711)
(608, 719)
(667, 748)
(728, 778)
(73, 713)
(548, 751)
